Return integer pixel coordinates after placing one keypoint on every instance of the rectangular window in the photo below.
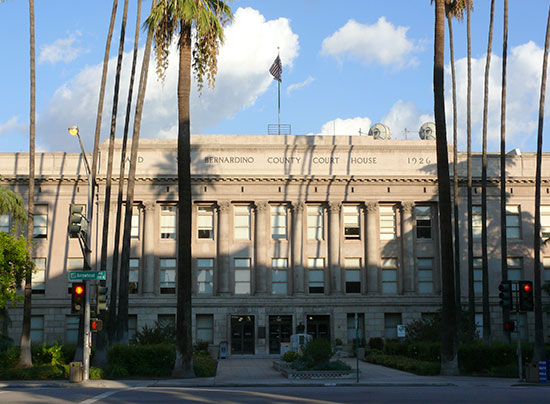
(37, 329)
(478, 276)
(513, 222)
(388, 227)
(423, 217)
(515, 268)
(132, 326)
(205, 222)
(5, 223)
(167, 276)
(71, 329)
(242, 222)
(477, 221)
(279, 281)
(168, 221)
(391, 321)
(545, 222)
(315, 222)
(352, 228)
(389, 275)
(425, 275)
(351, 327)
(133, 286)
(40, 221)
(38, 282)
(134, 233)
(205, 276)
(279, 222)
(242, 276)
(353, 275)
(479, 324)
(205, 328)
(316, 275)
(546, 269)
(74, 264)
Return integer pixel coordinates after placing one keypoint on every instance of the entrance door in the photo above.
(319, 326)
(280, 328)
(242, 334)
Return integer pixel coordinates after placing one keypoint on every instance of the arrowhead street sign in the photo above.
(87, 276)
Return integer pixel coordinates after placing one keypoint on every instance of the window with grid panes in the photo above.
(353, 275)
(74, 264)
(478, 276)
(315, 222)
(242, 276)
(513, 222)
(167, 276)
(242, 222)
(134, 231)
(205, 328)
(388, 228)
(425, 275)
(71, 329)
(132, 325)
(515, 268)
(279, 222)
(38, 282)
(546, 268)
(279, 280)
(477, 221)
(205, 222)
(350, 318)
(37, 329)
(352, 228)
(205, 276)
(5, 223)
(391, 321)
(316, 275)
(168, 221)
(389, 275)
(40, 221)
(133, 276)
(423, 218)
(545, 222)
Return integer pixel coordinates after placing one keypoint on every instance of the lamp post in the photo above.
(73, 130)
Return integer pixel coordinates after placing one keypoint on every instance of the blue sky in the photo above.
(346, 66)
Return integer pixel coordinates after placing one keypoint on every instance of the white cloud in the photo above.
(381, 43)
(345, 127)
(298, 86)
(250, 46)
(61, 50)
(11, 124)
(404, 120)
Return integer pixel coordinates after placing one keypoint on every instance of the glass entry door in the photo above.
(280, 328)
(318, 326)
(242, 334)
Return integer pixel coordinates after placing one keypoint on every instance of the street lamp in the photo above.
(73, 130)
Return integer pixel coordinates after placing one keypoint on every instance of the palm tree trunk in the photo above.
(184, 342)
(122, 315)
(111, 329)
(25, 359)
(449, 362)
(540, 353)
(486, 309)
(503, 237)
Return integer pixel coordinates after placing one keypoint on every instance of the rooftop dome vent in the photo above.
(427, 131)
(380, 131)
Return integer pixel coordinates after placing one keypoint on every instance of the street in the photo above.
(281, 394)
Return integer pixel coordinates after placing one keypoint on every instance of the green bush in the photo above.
(403, 363)
(376, 343)
(36, 372)
(160, 333)
(68, 352)
(141, 360)
(10, 357)
(333, 365)
(424, 351)
(203, 364)
(316, 351)
(201, 346)
(396, 347)
(47, 355)
(290, 356)
(5, 343)
(429, 329)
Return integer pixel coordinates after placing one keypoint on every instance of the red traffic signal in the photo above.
(79, 290)
(509, 326)
(96, 324)
(78, 296)
(526, 302)
(526, 287)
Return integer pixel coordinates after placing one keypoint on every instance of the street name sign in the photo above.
(87, 276)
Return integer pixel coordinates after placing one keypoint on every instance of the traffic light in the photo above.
(101, 298)
(510, 326)
(505, 295)
(96, 324)
(525, 296)
(78, 296)
(77, 221)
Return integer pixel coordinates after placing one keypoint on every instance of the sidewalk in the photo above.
(252, 372)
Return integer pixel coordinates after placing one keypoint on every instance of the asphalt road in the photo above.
(279, 395)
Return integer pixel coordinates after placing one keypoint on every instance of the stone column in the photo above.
(298, 247)
(149, 248)
(407, 236)
(223, 248)
(260, 247)
(334, 248)
(372, 246)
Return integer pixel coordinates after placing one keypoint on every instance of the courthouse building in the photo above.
(287, 231)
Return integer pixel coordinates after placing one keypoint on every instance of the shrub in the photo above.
(141, 360)
(376, 343)
(429, 329)
(424, 351)
(47, 355)
(403, 363)
(396, 347)
(5, 343)
(36, 372)
(201, 346)
(333, 365)
(160, 333)
(290, 356)
(10, 357)
(338, 341)
(317, 350)
(204, 365)
(68, 352)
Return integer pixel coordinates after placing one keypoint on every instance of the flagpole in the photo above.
(279, 100)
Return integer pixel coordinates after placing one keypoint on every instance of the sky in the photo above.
(346, 66)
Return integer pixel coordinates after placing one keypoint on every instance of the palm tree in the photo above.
(111, 329)
(503, 237)
(539, 353)
(449, 362)
(12, 204)
(25, 359)
(182, 18)
(484, 253)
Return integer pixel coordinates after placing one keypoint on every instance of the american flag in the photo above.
(276, 69)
